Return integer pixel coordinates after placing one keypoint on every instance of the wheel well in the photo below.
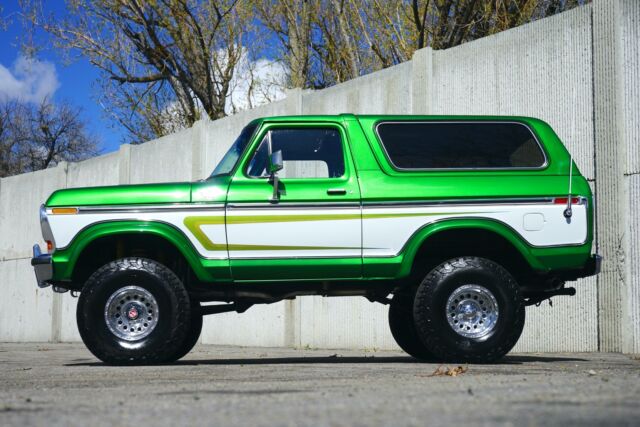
(449, 244)
(106, 249)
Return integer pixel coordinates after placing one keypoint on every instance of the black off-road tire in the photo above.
(195, 329)
(403, 328)
(173, 312)
(430, 311)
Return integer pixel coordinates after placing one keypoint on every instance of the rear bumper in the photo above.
(591, 268)
(43, 267)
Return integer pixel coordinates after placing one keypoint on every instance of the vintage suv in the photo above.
(456, 222)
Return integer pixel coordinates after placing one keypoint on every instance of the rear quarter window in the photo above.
(460, 145)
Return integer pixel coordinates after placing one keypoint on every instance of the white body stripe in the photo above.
(383, 231)
(387, 236)
(66, 227)
(342, 237)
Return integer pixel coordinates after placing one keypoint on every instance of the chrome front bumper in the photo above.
(42, 266)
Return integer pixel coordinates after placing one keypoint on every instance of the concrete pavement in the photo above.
(63, 384)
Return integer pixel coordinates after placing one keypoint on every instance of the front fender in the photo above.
(64, 261)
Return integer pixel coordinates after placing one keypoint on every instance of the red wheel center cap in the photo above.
(132, 313)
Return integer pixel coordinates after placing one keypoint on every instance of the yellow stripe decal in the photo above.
(195, 223)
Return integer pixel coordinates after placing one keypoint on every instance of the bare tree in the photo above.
(167, 63)
(290, 22)
(348, 38)
(34, 137)
(160, 58)
(10, 162)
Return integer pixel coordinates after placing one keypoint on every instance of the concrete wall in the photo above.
(579, 71)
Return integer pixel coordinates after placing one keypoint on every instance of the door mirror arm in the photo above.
(275, 165)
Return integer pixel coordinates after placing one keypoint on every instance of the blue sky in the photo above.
(76, 81)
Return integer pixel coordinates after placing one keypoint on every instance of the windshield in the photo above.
(228, 162)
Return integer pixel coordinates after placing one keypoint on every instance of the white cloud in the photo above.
(269, 83)
(269, 80)
(28, 80)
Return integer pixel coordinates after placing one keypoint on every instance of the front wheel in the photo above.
(134, 311)
(191, 339)
(469, 309)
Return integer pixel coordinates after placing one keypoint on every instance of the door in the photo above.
(310, 228)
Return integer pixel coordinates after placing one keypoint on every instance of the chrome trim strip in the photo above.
(297, 205)
(463, 202)
(462, 120)
(285, 258)
(150, 208)
(308, 205)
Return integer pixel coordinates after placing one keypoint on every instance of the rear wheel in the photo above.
(469, 309)
(403, 328)
(134, 311)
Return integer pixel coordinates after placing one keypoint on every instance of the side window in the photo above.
(460, 145)
(306, 153)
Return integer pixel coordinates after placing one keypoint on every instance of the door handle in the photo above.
(336, 191)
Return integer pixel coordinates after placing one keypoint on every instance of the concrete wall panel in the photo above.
(571, 324)
(610, 163)
(99, 171)
(26, 312)
(383, 92)
(261, 325)
(344, 322)
(577, 70)
(630, 106)
(68, 327)
(167, 159)
(20, 200)
(541, 69)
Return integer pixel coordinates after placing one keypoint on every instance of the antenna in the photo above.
(568, 212)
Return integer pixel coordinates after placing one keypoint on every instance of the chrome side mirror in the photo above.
(275, 162)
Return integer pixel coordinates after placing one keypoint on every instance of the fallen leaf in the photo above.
(446, 371)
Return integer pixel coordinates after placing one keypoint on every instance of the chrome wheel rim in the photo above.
(472, 311)
(131, 313)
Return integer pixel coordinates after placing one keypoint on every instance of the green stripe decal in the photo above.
(195, 223)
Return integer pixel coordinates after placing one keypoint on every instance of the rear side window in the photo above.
(460, 145)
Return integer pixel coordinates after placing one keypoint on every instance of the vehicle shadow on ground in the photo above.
(336, 359)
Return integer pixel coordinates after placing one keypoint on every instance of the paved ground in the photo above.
(62, 384)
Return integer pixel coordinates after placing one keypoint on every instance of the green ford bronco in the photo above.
(456, 222)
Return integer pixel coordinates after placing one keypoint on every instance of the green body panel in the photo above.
(244, 189)
(64, 260)
(541, 259)
(368, 178)
(264, 270)
(213, 190)
(122, 195)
